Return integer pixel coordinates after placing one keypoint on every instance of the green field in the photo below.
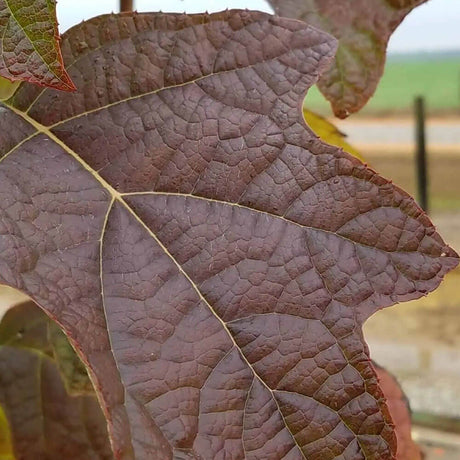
(433, 75)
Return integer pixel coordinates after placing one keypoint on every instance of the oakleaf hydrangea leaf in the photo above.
(211, 260)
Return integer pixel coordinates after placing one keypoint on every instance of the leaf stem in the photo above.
(126, 5)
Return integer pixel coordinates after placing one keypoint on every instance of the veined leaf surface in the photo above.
(29, 44)
(209, 257)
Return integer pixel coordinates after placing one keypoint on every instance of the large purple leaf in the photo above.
(46, 422)
(29, 44)
(363, 28)
(210, 258)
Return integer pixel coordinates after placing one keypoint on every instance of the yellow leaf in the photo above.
(327, 132)
(6, 447)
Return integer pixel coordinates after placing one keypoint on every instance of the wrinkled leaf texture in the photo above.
(46, 422)
(29, 44)
(363, 28)
(208, 256)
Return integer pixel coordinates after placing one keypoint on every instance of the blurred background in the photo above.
(418, 341)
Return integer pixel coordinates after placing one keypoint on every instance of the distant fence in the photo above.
(420, 153)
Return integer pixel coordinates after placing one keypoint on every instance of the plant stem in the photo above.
(126, 5)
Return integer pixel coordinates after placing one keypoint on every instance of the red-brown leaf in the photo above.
(363, 28)
(399, 409)
(178, 206)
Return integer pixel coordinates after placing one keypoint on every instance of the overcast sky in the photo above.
(432, 26)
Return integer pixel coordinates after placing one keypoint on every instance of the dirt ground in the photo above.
(399, 133)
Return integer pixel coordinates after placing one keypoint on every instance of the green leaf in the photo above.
(26, 326)
(73, 371)
(30, 49)
(41, 419)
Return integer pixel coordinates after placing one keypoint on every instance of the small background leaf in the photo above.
(42, 419)
(30, 44)
(399, 408)
(329, 133)
(363, 28)
(73, 371)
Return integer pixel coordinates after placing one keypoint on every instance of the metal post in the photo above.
(126, 5)
(420, 153)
